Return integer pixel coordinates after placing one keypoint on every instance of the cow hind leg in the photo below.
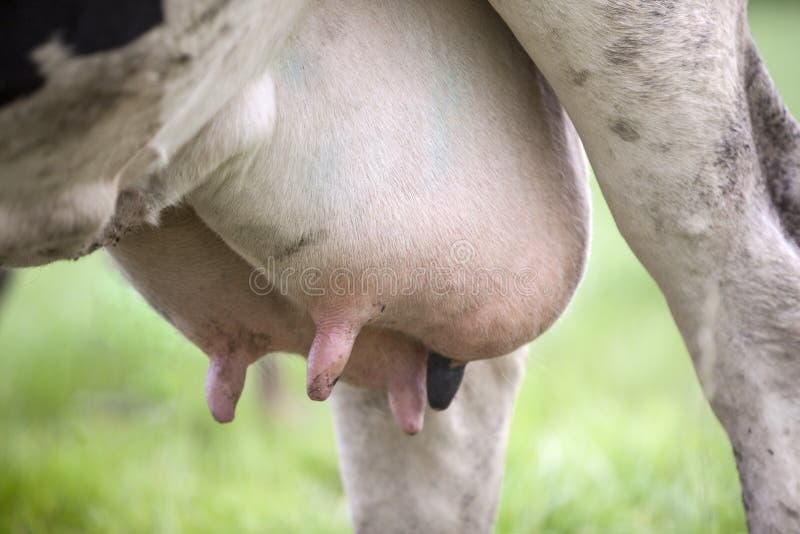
(774, 379)
(777, 141)
(698, 161)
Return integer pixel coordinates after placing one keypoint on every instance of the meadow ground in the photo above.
(103, 425)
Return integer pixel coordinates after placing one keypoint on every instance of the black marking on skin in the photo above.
(306, 240)
(624, 51)
(579, 77)
(747, 497)
(791, 512)
(732, 155)
(650, 42)
(84, 26)
(443, 380)
(625, 130)
(295, 247)
(777, 141)
(661, 148)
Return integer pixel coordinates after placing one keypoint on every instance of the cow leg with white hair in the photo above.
(700, 163)
(444, 480)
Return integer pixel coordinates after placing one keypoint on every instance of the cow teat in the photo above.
(443, 380)
(406, 390)
(328, 357)
(224, 385)
(392, 361)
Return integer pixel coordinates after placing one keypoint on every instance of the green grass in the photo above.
(104, 425)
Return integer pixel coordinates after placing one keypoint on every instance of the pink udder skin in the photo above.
(379, 359)
(202, 287)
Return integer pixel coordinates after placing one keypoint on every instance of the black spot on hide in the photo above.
(579, 77)
(624, 51)
(625, 130)
(793, 513)
(732, 154)
(777, 140)
(84, 26)
(286, 250)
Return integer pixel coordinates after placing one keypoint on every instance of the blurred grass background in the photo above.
(104, 426)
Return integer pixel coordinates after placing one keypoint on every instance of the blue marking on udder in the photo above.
(445, 110)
